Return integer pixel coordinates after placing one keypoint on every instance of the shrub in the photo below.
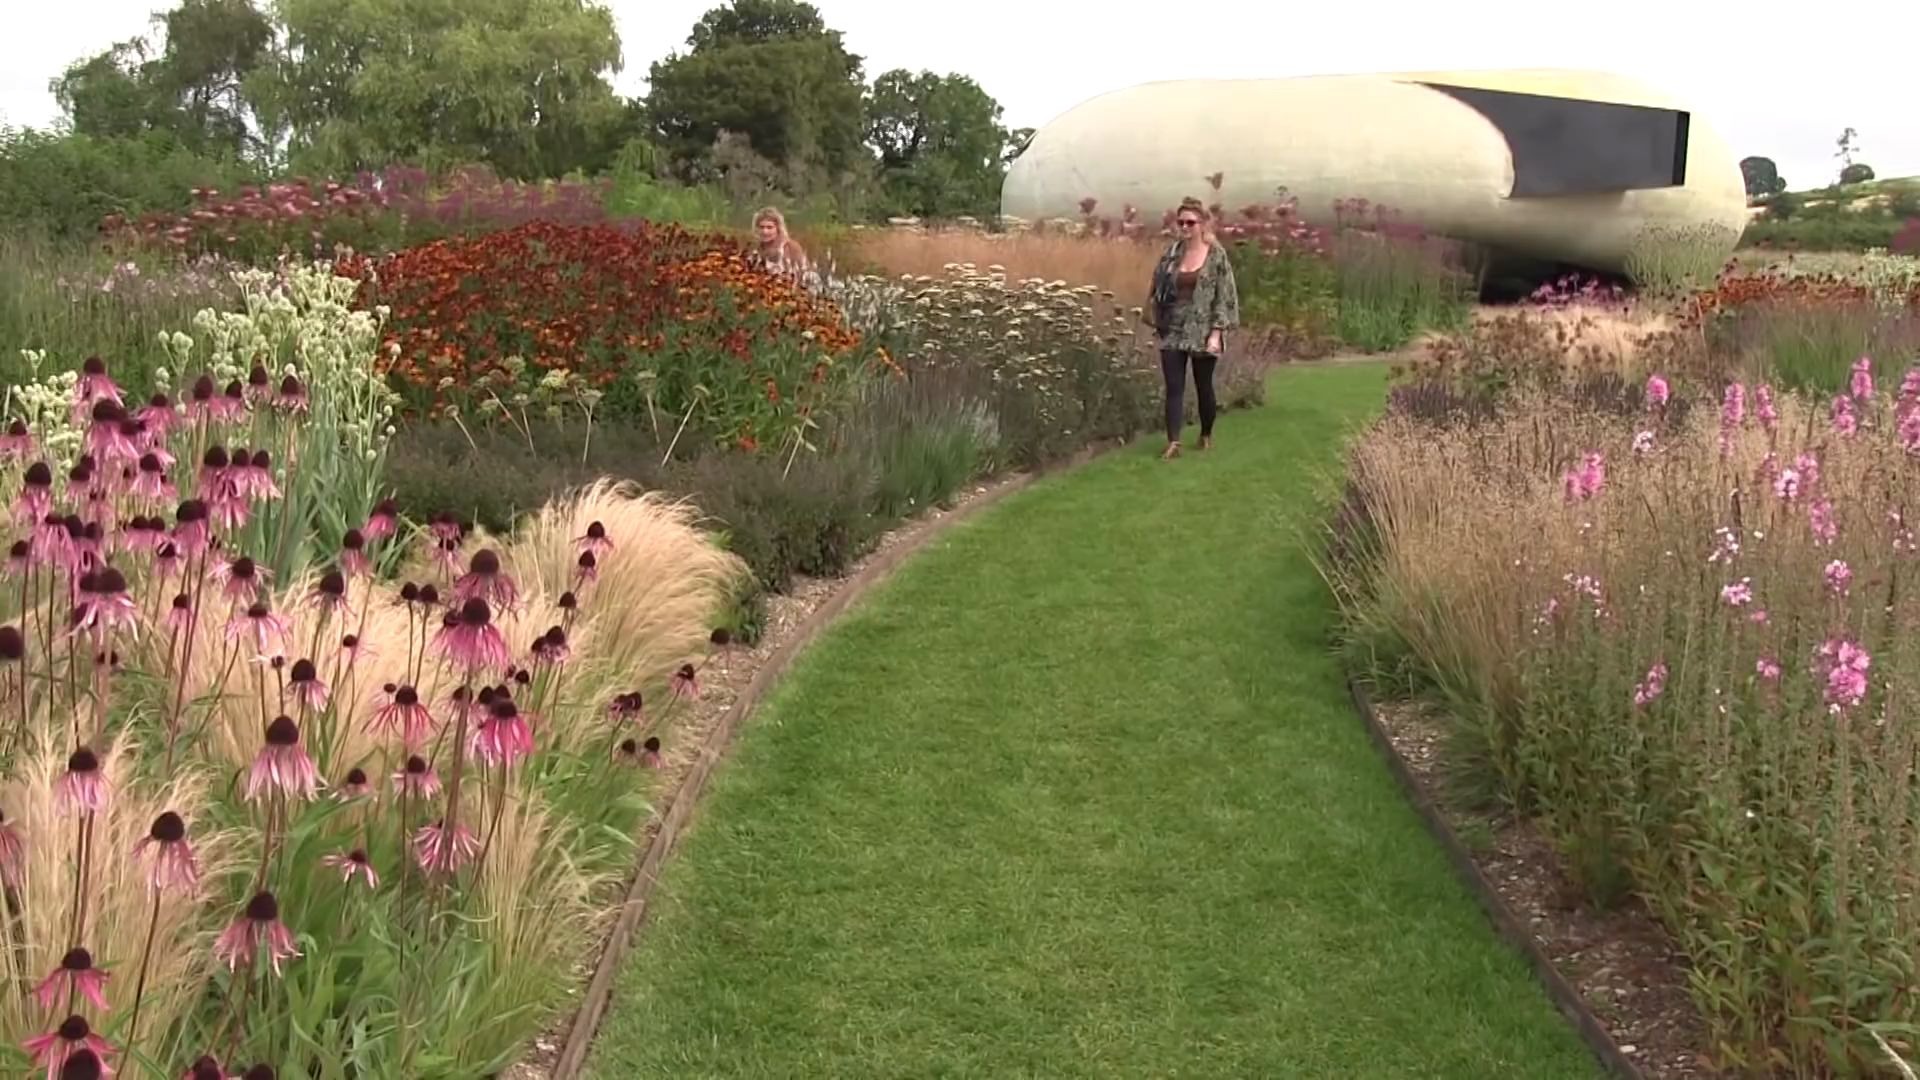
(1659, 639)
(922, 437)
(1392, 279)
(1807, 230)
(61, 186)
(490, 475)
(1492, 360)
(814, 518)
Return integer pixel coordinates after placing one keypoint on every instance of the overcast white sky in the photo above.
(1770, 85)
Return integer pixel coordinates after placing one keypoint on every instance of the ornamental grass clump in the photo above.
(1690, 652)
(301, 815)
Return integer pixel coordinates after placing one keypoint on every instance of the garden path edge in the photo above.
(678, 806)
(1565, 997)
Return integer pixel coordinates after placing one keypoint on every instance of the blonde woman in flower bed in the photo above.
(780, 252)
(1193, 303)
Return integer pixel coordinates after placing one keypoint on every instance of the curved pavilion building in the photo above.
(1553, 166)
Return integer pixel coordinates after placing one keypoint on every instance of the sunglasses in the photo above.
(1186, 223)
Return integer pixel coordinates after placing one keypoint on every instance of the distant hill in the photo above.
(1862, 196)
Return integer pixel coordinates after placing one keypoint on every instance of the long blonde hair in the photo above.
(773, 214)
(788, 248)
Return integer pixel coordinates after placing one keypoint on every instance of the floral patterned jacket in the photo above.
(1215, 304)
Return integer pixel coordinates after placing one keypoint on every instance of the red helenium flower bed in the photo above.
(604, 302)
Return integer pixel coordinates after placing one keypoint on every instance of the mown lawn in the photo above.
(1080, 794)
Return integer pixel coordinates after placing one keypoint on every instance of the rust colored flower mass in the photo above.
(496, 314)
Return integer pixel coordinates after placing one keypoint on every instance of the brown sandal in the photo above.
(1172, 451)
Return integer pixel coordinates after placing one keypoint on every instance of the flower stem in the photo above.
(140, 982)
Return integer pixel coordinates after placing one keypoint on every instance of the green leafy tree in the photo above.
(768, 70)
(519, 85)
(1856, 173)
(193, 89)
(942, 148)
(1762, 177)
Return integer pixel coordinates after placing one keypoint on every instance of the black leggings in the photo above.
(1173, 365)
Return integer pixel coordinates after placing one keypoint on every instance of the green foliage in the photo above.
(1814, 229)
(64, 185)
(1850, 216)
(1285, 286)
(640, 191)
(193, 90)
(1857, 173)
(921, 438)
(1762, 176)
(1391, 289)
(520, 85)
(942, 147)
(1812, 345)
(770, 71)
(812, 518)
(71, 301)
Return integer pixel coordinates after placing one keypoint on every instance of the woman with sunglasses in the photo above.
(1194, 303)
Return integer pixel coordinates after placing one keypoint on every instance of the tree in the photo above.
(108, 96)
(1856, 173)
(520, 85)
(1762, 176)
(1848, 144)
(768, 70)
(213, 48)
(193, 90)
(942, 148)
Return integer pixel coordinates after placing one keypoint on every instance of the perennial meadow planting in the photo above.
(350, 600)
(1666, 599)
(368, 536)
(276, 791)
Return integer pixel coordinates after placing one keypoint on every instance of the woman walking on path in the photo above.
(1193, 304)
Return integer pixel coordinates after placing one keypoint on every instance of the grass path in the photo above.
(1079, 794)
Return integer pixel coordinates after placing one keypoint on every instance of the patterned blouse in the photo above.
(1183, 322)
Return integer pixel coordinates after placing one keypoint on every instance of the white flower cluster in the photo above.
(870, 306)
(45, 403)
(1891, 276)
(300, 322)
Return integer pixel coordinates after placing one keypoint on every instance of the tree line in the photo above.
(524, 87)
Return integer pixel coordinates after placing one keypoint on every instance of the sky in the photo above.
(1784, 89)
